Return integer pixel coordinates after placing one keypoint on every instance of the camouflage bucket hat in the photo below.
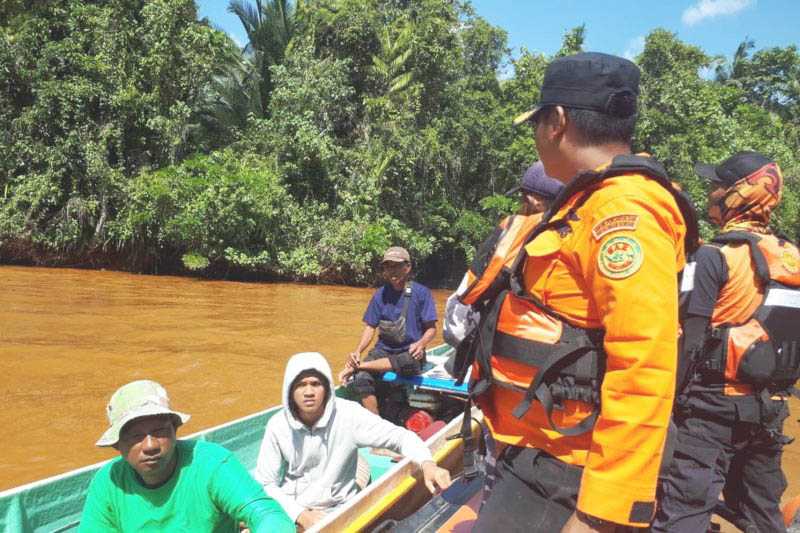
(135, 400)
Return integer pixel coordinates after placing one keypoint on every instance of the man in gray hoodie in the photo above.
(309, 454)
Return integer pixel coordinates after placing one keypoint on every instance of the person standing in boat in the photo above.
(160, 483)
(404, 315)
(575, 368)
(308, 459)
(741, 301)
(537, 191)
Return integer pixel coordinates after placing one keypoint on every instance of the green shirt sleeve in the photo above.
(97, 513)
(238, 495)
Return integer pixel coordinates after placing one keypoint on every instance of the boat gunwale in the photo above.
(80, 470)
(441, 438)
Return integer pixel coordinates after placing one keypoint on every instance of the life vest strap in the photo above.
(760, 262)
(540, 390)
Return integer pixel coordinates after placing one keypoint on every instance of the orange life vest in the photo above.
(544, 356)
(564, 361)
(755, 326)
(491, 268)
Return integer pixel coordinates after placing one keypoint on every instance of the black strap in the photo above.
(539, 390)
(482, 351)
(407, 300)
(752, 239)
(465, 434)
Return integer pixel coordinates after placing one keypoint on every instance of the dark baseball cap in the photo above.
(537, 182)
(589, 80)
(736, 167)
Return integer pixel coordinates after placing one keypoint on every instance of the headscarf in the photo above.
(748, 203)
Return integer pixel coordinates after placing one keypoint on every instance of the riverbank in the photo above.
(436, 272)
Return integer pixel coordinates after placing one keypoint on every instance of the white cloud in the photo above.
(634, 48)
(705, 9)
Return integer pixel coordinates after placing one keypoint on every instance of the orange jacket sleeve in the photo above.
(631, 274)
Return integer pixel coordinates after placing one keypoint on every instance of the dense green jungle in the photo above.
(135, 136)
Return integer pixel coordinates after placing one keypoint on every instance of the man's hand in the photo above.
(309, 517)
(350, 366)
(416, 350)
(436, 478)
(576, 525)
(346, 373)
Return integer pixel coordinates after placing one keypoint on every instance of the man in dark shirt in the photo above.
(404, 315)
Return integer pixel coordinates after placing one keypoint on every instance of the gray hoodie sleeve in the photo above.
(268, 473)
(372, 430)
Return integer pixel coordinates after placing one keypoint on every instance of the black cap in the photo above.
(736, 167)
(589, 80)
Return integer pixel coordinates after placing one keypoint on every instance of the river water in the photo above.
(69, 338)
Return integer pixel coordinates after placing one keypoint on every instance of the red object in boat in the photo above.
(418, 421)
(790, 509)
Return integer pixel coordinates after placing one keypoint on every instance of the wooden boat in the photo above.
(394, 492)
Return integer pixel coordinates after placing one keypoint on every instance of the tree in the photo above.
(269, 27)
(769, 79)
(573, 41)
(95, 92)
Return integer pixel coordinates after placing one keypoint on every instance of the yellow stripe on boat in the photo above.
(402, 488)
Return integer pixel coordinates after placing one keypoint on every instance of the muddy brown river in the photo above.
(69, 338)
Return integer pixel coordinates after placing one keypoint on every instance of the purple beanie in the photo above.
(537, 182)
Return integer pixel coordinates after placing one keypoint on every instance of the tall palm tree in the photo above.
(732, 72)
(269, 26)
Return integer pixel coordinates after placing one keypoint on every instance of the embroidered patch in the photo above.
(614, 223)
(620, 257)
(790, 262)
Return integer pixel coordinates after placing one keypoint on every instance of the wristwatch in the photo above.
(593, 520)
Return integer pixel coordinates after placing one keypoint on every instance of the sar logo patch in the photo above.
(790, 262)
(614, 223)
(620, 257)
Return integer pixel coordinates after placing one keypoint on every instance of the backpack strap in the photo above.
(406, 299)
(738, 237)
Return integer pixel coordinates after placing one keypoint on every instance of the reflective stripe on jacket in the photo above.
(741, 316)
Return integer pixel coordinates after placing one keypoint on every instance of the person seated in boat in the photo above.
(162, 483)
(309, 455)
(404, 315)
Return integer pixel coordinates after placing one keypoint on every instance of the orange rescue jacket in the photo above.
(755, 339)
(592, 319)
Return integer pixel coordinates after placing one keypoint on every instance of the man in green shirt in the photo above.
(163, 484)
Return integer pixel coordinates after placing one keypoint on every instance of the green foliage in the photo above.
(92, 94)
(573, 41)
(223, 208)
(194, 261)
(685, 119)
(132, 132)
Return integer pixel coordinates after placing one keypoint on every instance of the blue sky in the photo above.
(616, 26)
